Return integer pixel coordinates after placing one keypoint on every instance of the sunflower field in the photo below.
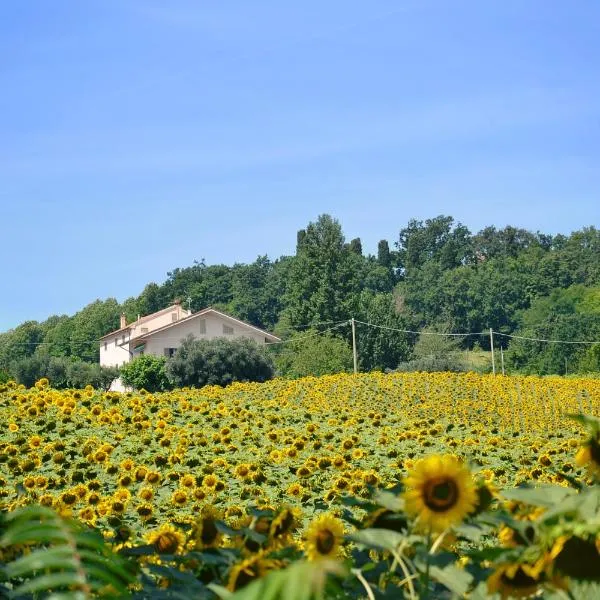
(406, 485)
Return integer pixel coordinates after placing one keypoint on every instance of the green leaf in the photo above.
(32, 532)
(384, 539)
(390, 501)
(48, 582)
(45, 558)
(591, 423)
(455, 579)
(544, 495)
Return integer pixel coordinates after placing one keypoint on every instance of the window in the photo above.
(169, 352)
(144, 330)
(227, 330)
(105, 345)
(173, 317)
(202, 325)
(123, 339)
(116, 341)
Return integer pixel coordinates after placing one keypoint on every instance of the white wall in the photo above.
(171, 338)
(113, 354)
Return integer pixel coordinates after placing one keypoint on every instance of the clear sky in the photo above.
(139, 135)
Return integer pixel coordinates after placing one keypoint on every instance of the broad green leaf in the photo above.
(44, 558)
(384, 539)
(456, 580)
(48, 582)
(543, 495)
(390, 501)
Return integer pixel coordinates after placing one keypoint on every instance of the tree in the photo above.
(571, 314)
(218, 362)
(313, 354)
(378, 348)
(384, 257)
(146, 372)
(438, 240)
(323, 276)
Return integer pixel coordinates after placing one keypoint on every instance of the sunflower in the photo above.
(577, 556)
(285, 523)
(522, 580)
(589, 456)
(205, 533)
(210, 481)
(166, 539)
(440, 492)
(179, 497)
(153, 477)
(144, 510)
(295, 490)
(249, 570)
(323, 538)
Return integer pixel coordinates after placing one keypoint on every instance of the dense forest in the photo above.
(436, 276)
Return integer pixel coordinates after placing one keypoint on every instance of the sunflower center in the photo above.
(440, 494)
(284, 524)
(167, 543)
(325, 541)
(520, 579)
(209, 532)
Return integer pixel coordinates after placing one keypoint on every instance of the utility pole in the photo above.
(354, 355)
(502, 359)
(492, 347)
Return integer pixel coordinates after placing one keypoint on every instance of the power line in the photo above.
(308, 336)
(532, 339)
(419, 332)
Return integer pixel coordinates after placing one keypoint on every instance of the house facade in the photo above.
(161, 334)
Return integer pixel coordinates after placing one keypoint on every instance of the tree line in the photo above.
(436, 276)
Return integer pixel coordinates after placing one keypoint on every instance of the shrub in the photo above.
(146, 372)
(316, 355)
(218, 362)
(62, 372)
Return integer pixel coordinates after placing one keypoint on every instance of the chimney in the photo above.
(123, 321)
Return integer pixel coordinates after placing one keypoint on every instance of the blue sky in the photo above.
(139, 135)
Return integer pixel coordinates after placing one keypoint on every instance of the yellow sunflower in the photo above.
(283, 526)
(205, 533)
(166, 539)
(324, 537)
(522, 580)
(249, 570)
(589, 456)
(439, 491)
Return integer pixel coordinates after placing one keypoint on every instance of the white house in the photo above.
(161, 333)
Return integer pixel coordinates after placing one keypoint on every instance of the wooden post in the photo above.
(354, 354)
(492, 347)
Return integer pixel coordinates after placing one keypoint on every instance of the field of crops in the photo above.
(146, 462)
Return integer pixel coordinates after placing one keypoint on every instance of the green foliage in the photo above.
(218, 362)
(565, 314)
(453, 363)
(64, 559)
(146, 372)
(378, 348)
(312, 354)
(322, 278)
(62, 372)
(509, 279)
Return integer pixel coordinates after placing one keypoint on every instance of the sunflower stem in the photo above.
(364, 583)
(425, 591)
(407, 576)
(438, 541)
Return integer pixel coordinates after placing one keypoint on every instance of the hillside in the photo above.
(436, 275)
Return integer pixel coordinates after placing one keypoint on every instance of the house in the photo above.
(161, 333)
